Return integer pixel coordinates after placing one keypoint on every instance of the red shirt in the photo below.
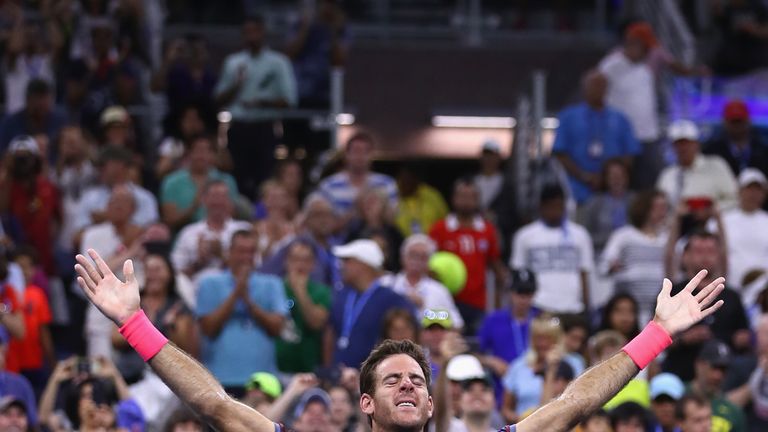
(476, 245)
(12, 356)
(36, 214)
(37, 314)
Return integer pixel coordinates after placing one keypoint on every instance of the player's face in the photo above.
(401, 401)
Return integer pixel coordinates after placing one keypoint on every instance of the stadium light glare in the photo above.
(473, 122)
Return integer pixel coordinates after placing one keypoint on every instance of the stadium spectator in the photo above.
(743, 27)
(276, 227)
(757, 413)
(32, 199)
(694, 414)
(739, 145)
(665, 390)
(343, 412)
(290, 174)
(262, 390)
(421, 205)
(729, 324)
(115, 164)
(240, 312)
(710, 369)
(38, 116)
(473, 238)
(184, 420)
(343, 189)
(414, 283)
(76, 104)
(299, 348)
(400, 324)
(253, 82)
(372, 220)
(621, 314)
(575, 334)
(490, 179)
(182, 190)
(202, 245)
(607, 211)
(15, 385)
(118, 129)
(13, 415)
(695, 175)
(629, 417)
(436, 326)
(559, 252)
(745, 229)
(313, 412)
(358, 311)
(164, 306)
(317, 228)
(590, 134)
(188, 123)
(634, 254)
(632, 90)
(477, 404)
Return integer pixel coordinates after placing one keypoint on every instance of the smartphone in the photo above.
(84, 365)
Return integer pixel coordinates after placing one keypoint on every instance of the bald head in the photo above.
(594, 86)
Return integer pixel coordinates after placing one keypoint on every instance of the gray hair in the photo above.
(417, 239)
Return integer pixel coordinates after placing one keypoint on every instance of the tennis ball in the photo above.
(449, 270)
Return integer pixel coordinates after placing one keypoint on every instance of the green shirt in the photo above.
(727, 417)
(179, 189)
(300, 348)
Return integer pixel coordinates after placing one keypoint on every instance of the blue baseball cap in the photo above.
(667, 384)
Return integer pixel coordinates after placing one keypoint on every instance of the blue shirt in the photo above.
(590, 138)
(366, 329)
(15, 385)
(242, 347)
(505, 337)
(523, 382)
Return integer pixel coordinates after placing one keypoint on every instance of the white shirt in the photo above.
(708, 176)
(489, 187)
(747, 238)
(25, 69)
(641, 258)
(632, 90)
(435, 295)
(185, 250)
(96, 199)
(557, 255)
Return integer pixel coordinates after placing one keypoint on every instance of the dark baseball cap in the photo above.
(716, 353)
(523, 281)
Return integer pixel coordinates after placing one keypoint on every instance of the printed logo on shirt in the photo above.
(562, 258)
(719, 424)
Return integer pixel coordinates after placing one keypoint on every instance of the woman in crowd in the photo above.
(621, 314)
(400, 324)
(634, 255)
(343, 413)
(188, 124)
(607, 211)
(162, 304)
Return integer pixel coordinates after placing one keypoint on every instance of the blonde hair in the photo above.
(544, 325)
(604, 339)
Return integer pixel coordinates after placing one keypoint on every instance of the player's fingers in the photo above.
(704, 292)
(90, 270)
(712, 309)
(695, 281)
(712, 296)
(103, 267)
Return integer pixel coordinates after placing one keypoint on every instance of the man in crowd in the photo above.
(666, 390)
(738, 145)
(421, 205)
(490, 179)
(590, 133)
(470, 236)
(695, 175)
(559, 252)
(201, 245)
(240, 312)
(38, 116)
(711, 367)
(253, 83)
(358, 311)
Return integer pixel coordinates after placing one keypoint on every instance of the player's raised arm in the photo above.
(600, 383)
(188, 379)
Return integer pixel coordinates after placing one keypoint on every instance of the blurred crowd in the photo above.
(282, 286)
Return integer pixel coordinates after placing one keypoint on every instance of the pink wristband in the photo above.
(648, 344)
(142, 335)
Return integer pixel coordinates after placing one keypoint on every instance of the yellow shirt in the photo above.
(418, 212)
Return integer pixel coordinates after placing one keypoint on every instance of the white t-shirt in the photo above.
(489, 187)
(632, 90)
(642, 264)
(435, 295)
(184, 252)
(747, 238)
(557, 255)
(25, 69)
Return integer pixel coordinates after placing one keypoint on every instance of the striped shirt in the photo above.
(641, 264)
(342, 193)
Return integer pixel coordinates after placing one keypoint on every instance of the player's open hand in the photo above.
(677, 313)
(116, 299)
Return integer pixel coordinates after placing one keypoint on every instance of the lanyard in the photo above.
(519, 334)
(353, 309)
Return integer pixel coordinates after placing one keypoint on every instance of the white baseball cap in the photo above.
(464, 367)
(364, 250)
(683, 130)
(752, 175)
(24, 143)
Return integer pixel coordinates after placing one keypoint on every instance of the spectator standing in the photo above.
(710, 368)
(38, 116)
(252, 83)
(632, 90)
(634, 254)
(414, 283)
(343, 189)
(240, 313)
(182, 190)
(201, 245)
(300, 347)
(421, 205)
(474, 239)
(739, 145)
(276, 227)
(589, 135)
(745, 229)
(358, 311)
(607, 211)
(559, 252)
(695, 175)
(490, 179)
